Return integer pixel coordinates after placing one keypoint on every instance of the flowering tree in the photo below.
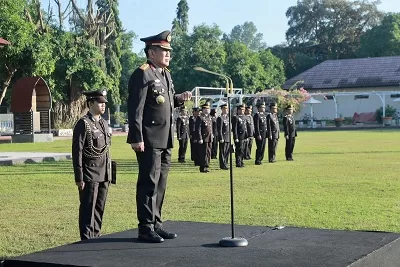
(284, 98)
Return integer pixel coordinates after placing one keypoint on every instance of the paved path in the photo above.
(12, 158)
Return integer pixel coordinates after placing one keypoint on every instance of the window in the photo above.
(328, 97)
(361, 97)
(395, 96)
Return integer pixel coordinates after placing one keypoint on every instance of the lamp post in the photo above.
(229, 241)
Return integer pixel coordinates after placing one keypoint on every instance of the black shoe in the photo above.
(165, 234)
(181, 161)
(225, 168)
(150, 237)
(258, 163)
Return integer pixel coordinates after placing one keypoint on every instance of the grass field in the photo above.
(339, 180)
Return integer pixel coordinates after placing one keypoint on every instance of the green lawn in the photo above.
(339, 180)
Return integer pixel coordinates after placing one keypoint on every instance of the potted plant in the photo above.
(390, 111)
(339, 121)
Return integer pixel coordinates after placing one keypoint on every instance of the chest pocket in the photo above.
(98, 138)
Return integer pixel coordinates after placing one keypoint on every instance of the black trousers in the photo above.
(249, 145)
(223, 155)
(260, 150)
(183, 143)
(290, 147)
(194, 152)
(154, 166)
(204, 155)
(214, 148)
(239, 152)
(272, 145)
(91, 209)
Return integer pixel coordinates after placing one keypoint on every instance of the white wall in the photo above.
(347, 105)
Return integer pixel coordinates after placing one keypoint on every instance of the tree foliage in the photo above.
(247, 34)
(383, 39)
(331, 27)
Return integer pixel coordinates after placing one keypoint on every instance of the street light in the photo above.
(229, 83)
(229, 241)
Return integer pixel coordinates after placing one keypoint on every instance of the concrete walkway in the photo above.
(12, 158)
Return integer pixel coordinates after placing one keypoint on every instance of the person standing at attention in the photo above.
(289, 125)
(151, 102)
(91, 142)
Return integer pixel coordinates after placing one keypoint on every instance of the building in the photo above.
(348, 86)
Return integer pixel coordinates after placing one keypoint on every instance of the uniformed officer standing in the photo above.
(250, 132)
(205, 137)
(194, 151)
(151, 103)
(289, 125)
(92, 164)
(223, 137)
(272, 132)
(182, 132)
(214, 146)
(239, 129)
(260, 132)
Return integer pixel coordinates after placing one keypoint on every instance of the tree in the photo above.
(382, 40)
(247, 34)
(245, 67)
(274, 69)
(180, 25)
(129, 62)
(296, 61)
(332, 26)
(203, 48)
(30, 52)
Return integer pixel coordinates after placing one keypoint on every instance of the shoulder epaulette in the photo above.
(145, 66)
(167, 69)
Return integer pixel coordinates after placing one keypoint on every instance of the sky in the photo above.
(150, 17)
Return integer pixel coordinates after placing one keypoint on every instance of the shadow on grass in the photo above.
(348, 153)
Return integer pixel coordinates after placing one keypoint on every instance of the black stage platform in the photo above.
(197, 245)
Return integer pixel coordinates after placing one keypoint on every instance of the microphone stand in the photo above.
(231, 241)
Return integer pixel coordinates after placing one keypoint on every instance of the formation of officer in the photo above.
(205, 137)
(273, 132)
(151, 102)
(214, 146)
(92, 164)
(223, 135)
(260, 132)
(250, 132)
(289, 126)
(182, 132)
(239, 130)
(194, 155)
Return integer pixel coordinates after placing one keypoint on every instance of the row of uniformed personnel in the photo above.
(205, 132)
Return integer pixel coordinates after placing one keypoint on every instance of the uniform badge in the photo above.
(157, 81)
(169, 38)
(160, 99)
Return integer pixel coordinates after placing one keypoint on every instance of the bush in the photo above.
(389, 112)
(120, 118)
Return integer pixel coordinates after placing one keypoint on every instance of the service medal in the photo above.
(160, 99)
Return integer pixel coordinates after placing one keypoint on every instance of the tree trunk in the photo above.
(66, 114)
(7, 83)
